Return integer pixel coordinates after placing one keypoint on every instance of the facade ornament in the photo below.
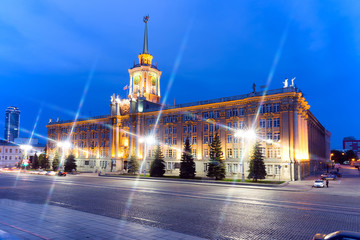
(286, 84)
(292, 82)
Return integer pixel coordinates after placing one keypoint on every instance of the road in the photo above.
(204, 210)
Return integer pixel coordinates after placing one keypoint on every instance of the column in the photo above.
(117, 139)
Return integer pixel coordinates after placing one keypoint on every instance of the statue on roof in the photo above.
(254, 87)
(286, 84)
(292, 82)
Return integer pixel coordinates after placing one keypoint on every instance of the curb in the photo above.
(198, 181)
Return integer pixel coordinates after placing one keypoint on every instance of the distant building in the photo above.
(293, 142)
(350, 143)
(12, 123)
(11, 153)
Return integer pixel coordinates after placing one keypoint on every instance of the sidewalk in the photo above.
(20, 220)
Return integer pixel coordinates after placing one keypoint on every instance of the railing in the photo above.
(139, 65)
(233, 98)
(80, 119)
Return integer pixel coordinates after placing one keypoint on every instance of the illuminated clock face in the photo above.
(153, 80)
(137, 78)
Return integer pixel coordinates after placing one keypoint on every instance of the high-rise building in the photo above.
(12, 123)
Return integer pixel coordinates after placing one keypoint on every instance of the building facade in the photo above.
(11, 153)
(351, 143)
(292, 139)
(12, 123)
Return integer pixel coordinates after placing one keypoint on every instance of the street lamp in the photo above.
(148, 140)
(250, 135)
(26, 148)
(64, 147)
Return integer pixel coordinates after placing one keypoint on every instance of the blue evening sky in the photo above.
(50, 50)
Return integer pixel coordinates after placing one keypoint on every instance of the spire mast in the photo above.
(145, 47)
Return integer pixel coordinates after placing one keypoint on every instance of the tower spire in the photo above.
(145, 47)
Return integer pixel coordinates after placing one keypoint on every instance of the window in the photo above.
(277, 137)
(236, 153)
(206, 127)
(276, 107)
(169, 141)
(269, 136)
(229, 153)
(262, 108)
(166, 131)
(236, 169)
(170, 153)
(169, 166)
(234, 112)
(211, 115)
(10, 150)
(235, 125)
(241, 111)
(229, 138)
(211, 127)
(216, 126)
(268, 108)
(216, 114)
(262, 149)
(170, 130)
(206, 115)
(206, 140)
(184, 129)
(241, 125)
(166, 141)
(194, 152)
(262, 123)
(194, 128)
(228, 113)
(276, 122)
(211, 138)
(269, 169)
(184, 139)
(174, 130)
(174, 141)
(206, 153)
(269, 123)
(229, 126)
(194, 140)
(189, 128)
(229, 167)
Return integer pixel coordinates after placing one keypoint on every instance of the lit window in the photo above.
(241, 112)
(262, 123)
(194, 140)
(229, 153)
(269, 123)
(276, 122)
(229, 138)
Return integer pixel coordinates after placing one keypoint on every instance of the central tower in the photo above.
(144, 76)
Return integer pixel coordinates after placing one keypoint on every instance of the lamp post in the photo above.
(148, 140)
(64, 147)
(249, 135)
(25, 160)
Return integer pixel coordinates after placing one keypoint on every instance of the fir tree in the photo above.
(44, 161)
(157, 167)
(35, 162)
(133, 165)
(216, 166)
(56, 162)
(187, 165)
(257, 167)
(70, 163)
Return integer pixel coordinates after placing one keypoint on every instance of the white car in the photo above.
(51, 173)
(319, 183)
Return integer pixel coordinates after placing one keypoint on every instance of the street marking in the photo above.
(24, 230)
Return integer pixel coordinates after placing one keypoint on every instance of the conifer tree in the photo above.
(157, 167)
(257, 166)
(133, 165)
(44, 161)
(70, 163)
(187, 165)
(56, 162)
(35, 162)
(216, 166)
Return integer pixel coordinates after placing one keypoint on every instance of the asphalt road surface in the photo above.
(203, 210)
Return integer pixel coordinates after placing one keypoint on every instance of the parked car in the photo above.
(338, 235)
(60, 173)
(346, 162)
(336, 173)
(319, 183)
(337, 165)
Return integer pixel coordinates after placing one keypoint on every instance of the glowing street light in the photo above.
(250, 135)
(26, 148)
(146, 140)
